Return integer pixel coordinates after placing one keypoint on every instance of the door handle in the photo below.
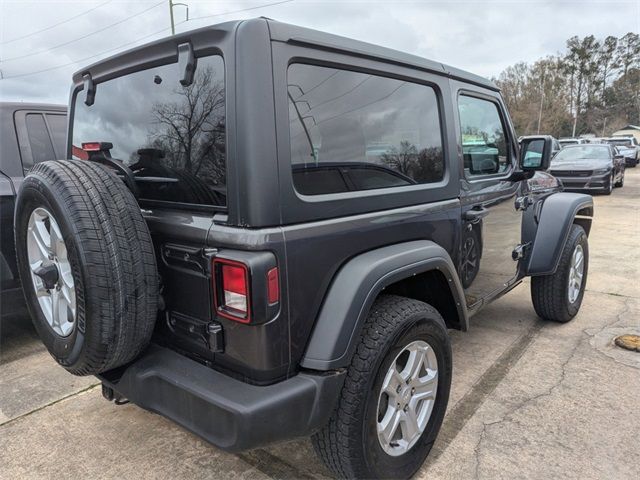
(475, 214)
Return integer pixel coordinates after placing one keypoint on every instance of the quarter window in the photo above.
(484, 143)
(58, 128)
(352, 131)
(39, 140)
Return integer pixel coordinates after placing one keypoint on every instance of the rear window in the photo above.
(353, 131)
(172, 137)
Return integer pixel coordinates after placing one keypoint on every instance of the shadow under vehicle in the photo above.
(274, 242)
(592, 167)
(29, 133)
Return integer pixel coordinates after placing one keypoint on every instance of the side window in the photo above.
(352, 131)
(484, 142)
(58, 128)
(39, 141)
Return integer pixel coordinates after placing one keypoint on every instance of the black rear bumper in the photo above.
(231, 414)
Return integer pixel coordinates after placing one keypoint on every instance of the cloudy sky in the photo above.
(43, 42)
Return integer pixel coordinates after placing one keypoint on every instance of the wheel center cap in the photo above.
(48, 274)
(405, 395)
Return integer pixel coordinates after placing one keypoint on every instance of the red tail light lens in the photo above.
(273, 286)
(232, 290)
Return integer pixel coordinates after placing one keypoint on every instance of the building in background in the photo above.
(628, 131)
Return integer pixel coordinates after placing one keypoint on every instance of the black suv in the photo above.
(268, 231)
(29, 133)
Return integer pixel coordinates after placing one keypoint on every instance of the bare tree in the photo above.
(191, 130)
(403, 159)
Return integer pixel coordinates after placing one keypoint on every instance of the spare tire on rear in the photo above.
(87, 265)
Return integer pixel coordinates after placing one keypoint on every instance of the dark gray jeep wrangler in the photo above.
(265, 232)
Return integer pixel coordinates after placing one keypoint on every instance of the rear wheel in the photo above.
(394, 397)
(87, 265)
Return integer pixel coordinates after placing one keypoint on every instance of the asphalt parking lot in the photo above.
(529, 399)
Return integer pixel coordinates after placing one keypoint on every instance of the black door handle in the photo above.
(475, 214)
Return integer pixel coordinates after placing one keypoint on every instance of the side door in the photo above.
(491, 224)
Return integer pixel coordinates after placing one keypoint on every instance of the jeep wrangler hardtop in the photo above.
(264, 231)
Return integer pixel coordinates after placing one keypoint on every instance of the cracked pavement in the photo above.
(529, 399)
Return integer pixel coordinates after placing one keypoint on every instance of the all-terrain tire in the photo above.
(348, 444)
(550, 294)
(112, 261)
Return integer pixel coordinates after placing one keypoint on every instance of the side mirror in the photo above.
(535, 153)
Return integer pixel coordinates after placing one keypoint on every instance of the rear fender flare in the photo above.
(355, 288)
(559, 211)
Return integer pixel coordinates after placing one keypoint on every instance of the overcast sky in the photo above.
(483, 37)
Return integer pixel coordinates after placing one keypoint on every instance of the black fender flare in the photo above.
(554, 222)
(355, 288)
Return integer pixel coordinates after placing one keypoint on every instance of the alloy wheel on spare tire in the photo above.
(87, 265)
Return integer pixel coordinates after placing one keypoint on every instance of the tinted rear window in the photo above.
(172, 137)
(355, 131)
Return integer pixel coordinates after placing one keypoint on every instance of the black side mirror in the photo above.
(535, 153)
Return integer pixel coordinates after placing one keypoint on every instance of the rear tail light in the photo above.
(97, 146)
(232, 290)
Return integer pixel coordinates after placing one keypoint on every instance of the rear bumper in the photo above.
(230, 414)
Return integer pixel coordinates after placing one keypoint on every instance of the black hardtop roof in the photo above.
(13, 106)
(282, 32)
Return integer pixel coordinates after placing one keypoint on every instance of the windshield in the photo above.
(172, 137)
(583, 152)
(568, 142)
(621, 142)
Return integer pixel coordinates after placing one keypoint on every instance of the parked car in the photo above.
(593, 167)
(571, 141)
(628, 147)
(188, 264)
(29, 133)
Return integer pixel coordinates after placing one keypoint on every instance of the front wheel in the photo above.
(558, 296)
(395, 394)
(609, 188)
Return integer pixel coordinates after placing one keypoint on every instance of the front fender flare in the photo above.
(355, 288)
(555, 219)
